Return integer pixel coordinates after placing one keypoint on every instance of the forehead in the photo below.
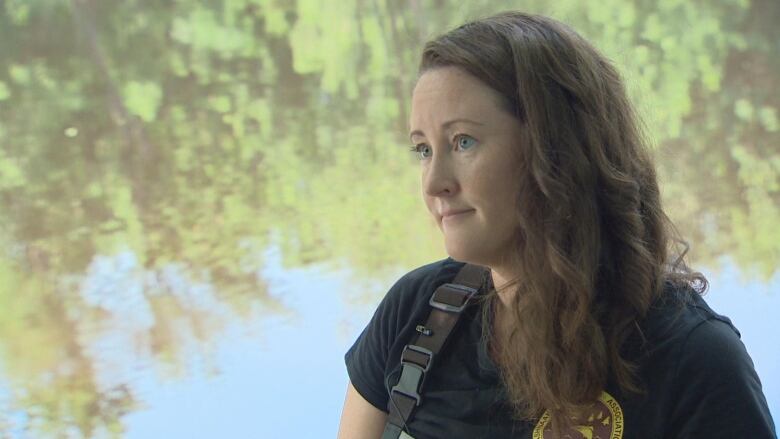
(450, 91)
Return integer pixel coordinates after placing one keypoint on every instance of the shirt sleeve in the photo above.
(720, 393)
(366, 360)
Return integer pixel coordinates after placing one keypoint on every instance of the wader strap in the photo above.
(447, 302)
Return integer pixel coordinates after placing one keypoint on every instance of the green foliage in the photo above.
(18, 11)
(5, 93)
(203, 31)
(11, 175)
(142, 99)
(768, 117)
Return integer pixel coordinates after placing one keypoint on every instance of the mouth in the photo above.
(454, 216)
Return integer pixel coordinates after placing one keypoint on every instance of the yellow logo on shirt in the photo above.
(605, 421)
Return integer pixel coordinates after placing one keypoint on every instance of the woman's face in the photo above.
(465, 139)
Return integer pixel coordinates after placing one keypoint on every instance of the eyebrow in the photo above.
(446, 125)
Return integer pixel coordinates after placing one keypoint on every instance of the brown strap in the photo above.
(447, 302)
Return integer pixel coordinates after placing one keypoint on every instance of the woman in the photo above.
(534, 167)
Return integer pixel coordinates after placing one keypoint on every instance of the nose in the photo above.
(439, 177)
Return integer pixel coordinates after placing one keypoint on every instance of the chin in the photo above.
(462, 254)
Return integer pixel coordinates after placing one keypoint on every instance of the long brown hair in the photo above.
(593, 243)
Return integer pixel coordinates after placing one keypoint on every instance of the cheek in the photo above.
(501, 190)
(429, 203)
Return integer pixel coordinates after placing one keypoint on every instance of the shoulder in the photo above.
(418, 284)
(680, 314)
(407, 299)
(377, 349)
(683, 329)
(710, 350)
(712, 384)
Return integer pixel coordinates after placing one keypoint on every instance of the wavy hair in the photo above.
(593, 243)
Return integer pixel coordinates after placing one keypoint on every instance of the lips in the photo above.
(450, 212)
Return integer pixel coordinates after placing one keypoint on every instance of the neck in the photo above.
(500, 280)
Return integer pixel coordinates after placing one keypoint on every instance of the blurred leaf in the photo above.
(743, 109)
(768, 118)
(4, 92)
(143, 99)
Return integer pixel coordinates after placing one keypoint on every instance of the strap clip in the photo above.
(461, 293)
(413, 372)
(411, 355)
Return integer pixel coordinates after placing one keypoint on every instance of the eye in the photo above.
(464, 141)
(419, 150)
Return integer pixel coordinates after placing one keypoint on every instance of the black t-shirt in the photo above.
(699, 380)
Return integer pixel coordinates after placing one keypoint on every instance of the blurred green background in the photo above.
(184, 138)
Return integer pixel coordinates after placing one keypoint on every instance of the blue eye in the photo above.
(459, 140)
(417, 150)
